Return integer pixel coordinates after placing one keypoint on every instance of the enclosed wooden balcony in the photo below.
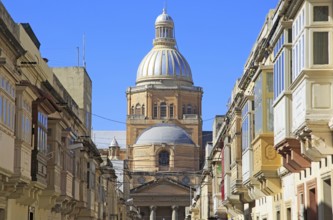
(266, 163)
(290, 150)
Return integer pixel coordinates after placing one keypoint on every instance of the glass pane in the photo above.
(171, 111)
(155, 111)
(258, 106)
(269, 108)
(320, 47)
(164, 158)
(163, 109)
(320, 13)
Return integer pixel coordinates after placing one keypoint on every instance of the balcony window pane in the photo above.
(258, 113)
(269, 110)
(320, 13)
(320, 47)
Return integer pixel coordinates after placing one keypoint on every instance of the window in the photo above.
(289, 213)
(137, 109)
(171, 111)
(143, 109)
(278, 215)
(298, 47)
(320, 47)
(269, 102)
(163, 108)
(155, 111)
(312, 209)
(258, 105)
(4, 113)
(320, 13)
(189, 109)
(279, 68)
(163, 158)
(246, 137)
(42, 132)
(31, 213)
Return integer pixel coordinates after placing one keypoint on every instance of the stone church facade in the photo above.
(164, 129)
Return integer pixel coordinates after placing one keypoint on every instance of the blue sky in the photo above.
(215, 36)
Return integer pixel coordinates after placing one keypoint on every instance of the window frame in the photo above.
(163, 110)
(164, 158)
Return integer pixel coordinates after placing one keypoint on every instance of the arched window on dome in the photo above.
(138, 109)
(189, 109)
(171, 111)
(155, 110)
(163, 110)
(143, 110)
(163, 158)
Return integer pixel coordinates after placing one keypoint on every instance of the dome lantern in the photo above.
(164, 33)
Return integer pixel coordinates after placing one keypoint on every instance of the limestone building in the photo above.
(275, 144)
(163, 128)
(49, 166)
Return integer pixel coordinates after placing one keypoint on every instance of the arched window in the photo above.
(163, 109)
(143, 109)
(155, 110)
(189, 109)
(138, 109)
(171, 113)
(163, 158)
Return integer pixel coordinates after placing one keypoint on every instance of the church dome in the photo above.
(164, 63)
(164, 133)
